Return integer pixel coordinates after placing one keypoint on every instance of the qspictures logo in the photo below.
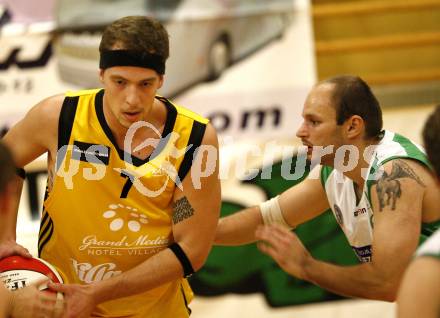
(203, 159)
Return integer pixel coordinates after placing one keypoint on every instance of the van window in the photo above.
(162, 5)
(96, 12)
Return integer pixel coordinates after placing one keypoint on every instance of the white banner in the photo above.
(260, 115)
(27, 73)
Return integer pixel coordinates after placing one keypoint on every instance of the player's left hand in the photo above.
(79, 299)
(32, 302)
(284, 247)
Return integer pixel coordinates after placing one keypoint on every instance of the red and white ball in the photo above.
(18, 272)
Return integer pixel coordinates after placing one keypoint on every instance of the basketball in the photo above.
(18, 272)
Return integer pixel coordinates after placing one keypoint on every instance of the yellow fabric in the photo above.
(92, 234)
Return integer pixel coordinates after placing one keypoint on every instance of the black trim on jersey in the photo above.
(21, 173)
(44, 228)
(185, 300)
(195, 139)
(168, 128)
(171, 116)
(67, 116)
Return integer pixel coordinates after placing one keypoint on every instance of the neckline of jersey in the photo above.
(168, 128)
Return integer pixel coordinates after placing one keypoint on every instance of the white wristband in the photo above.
(271, 212)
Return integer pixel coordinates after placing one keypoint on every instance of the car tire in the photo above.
(219, 58)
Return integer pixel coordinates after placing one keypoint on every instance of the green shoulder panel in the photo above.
(325, 174)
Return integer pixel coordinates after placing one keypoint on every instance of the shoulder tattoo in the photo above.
(182, 210)
(388, 187)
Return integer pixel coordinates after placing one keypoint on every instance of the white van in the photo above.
(205, 35)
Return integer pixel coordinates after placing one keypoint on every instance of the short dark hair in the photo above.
(431, 139)
(353, 96)
(7, 167)
(137, 33)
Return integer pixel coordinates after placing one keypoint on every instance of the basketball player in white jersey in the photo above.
(419, 294)
(381, 201)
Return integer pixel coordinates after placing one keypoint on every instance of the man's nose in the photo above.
(132, 97)
(302, 131)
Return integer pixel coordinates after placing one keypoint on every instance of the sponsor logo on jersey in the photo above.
(360, 212)
(338, 214)
(136, 219)
(92, 153)
(89, 273)
(363, 253)
(127, 221)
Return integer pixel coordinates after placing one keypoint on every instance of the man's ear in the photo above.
(354, 126)
(101, 75)
(437, 178)
(161, 79)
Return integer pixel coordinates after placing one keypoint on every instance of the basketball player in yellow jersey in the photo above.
(133, 193)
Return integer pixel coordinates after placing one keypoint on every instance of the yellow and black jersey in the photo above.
(107, 211)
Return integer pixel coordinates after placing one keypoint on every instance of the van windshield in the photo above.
(98, 13)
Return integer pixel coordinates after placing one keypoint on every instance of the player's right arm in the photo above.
(298, 204)
(34, 135)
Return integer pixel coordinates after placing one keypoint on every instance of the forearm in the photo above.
(363, 281)
(238, 228)
(10, 216)
(9, 234)
(160, 269)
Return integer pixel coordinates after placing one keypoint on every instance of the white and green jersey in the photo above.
(356, 218)
(431, 247)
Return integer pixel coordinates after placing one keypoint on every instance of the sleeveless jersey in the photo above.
(356, 218)
(107, 212)
(431, 247)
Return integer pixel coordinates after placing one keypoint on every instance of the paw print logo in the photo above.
(135, 219)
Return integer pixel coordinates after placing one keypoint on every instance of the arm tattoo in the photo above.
(182, 210)
(388, 186)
